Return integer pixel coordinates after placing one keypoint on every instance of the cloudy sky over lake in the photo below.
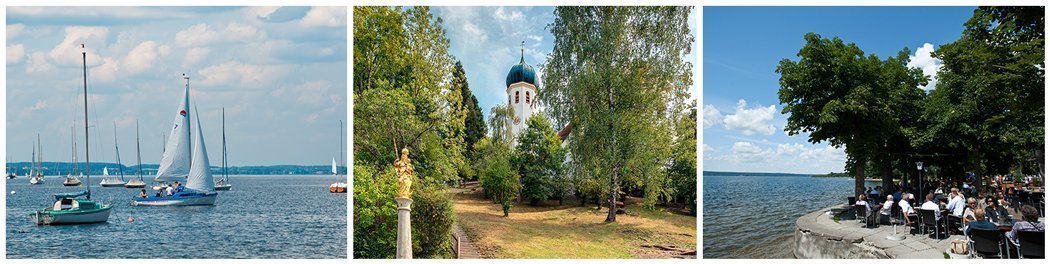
(280, 73)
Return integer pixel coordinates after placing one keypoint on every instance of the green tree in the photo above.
(611, 74)
(538, 160)
(682, 171)
(404, 98)
(474, 124)
(988, 102)
(498, 178)
(837, 93)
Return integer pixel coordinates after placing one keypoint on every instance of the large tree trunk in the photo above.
(887, 176)
(858, 178)
(613, 190)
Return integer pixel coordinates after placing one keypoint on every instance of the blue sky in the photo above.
(743, 127)
(488, 42)
(279, 72)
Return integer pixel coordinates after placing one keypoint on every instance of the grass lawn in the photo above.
(571, 231)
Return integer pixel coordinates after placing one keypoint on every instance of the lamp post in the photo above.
(918, 165)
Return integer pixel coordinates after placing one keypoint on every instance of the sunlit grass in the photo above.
(570, 231)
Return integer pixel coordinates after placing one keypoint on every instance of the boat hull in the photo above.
(71, 183)
(36, 181)
(178, 200)
(113, 185)
(223, 187)
(135, 184)
(337, 189)
(71, 218)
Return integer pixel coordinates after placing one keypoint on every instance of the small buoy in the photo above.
(131, 219)
(12, 192)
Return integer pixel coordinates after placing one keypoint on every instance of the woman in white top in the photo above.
(905, 205)
(887, 206)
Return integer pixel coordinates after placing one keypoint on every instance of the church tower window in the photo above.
(516, 96)
(526, 97)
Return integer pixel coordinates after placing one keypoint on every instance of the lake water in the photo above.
(273, 216)
(754, 216)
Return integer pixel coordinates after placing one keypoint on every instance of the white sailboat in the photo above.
(175, 162)
(110, 181)
(338, 186)
(70, 179)
(224, 183)
(37, 175)
(200, 185)
(137, 183)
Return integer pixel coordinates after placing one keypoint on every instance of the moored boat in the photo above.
(224, 183)
(137, 183)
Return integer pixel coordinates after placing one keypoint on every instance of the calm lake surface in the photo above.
(754, 216)
(272, 216)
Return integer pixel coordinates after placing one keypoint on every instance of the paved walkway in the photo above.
(820, 229)
(466, 248)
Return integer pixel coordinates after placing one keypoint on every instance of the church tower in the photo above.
(521, 93)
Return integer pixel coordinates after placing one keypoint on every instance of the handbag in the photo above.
(960, 246)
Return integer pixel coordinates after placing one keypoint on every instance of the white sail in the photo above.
(334, 170)
(200, 177)
(105, 171)
(175, 163)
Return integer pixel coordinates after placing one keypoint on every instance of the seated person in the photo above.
(981, 223)
(930, 204)
(169, 191)
(179, 187)
(968, 216)
(995, 212)
(887, 210)
(1029, 222)
(863, 200)
(906, 205)
(142, 193)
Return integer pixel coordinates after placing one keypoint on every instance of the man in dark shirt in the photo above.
(981, 222)
(995, 212)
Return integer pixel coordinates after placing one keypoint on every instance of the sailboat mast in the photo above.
(39, 160)
(73, 131)
(340, 143)
(87, 139)
(138, 151)
(225, 175)
(120, 166)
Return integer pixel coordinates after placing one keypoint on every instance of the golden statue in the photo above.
(405, 175)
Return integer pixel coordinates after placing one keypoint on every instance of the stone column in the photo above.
(404, 228)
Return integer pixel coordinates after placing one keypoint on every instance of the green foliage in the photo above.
(612, 74)
(475, 121)
(498, 178)
(837, 93)
(500, 119)
(988, 104)
(432, 220)
(375, 213)
(538, 159)
(682, 171)
(405, 97)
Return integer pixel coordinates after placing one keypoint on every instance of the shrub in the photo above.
(432, 220)
(501, 181)
(375, 214)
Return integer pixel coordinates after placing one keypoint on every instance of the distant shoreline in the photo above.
(760, 174)
(63, 168)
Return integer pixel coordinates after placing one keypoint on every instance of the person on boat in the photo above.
(168, 191)
(142, 193)
(179, 188)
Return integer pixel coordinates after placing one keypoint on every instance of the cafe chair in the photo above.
(929, 218)
(863, 214)
(986, 243)
(1031, 244)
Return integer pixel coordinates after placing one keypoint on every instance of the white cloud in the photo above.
(513, 15)
(711, 116)
(749, 153)
(827, 153)
(15, 54)
(707, 148)
(239, 74)
(750, 120)
(254, 12)
(38, 63)
(476, 33)
(68, 51)
(925, 61)
(14, 30)
(324, 16)
(202, 35)
(141, 58)
(194, 56)
(105, 72)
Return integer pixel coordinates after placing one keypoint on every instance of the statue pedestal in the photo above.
(404, 228)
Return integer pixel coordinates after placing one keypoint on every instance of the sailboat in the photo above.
(200, 185)
(70, 179)
(338, 186)
(36, 176)
(110, 181)
(224, 183)
(68, 207)
(137, 183)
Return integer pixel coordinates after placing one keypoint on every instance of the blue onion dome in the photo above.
(522, 72)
